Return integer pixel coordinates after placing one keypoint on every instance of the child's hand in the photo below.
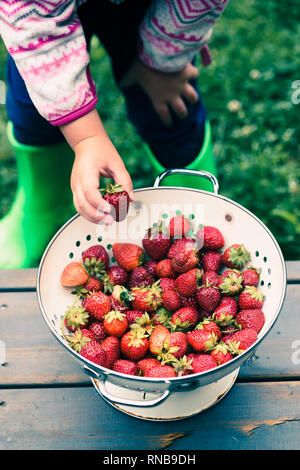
(95, 156)
(166, 90)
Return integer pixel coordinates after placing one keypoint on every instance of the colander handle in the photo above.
(185, 171)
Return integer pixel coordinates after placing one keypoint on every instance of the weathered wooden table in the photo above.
(47, 402)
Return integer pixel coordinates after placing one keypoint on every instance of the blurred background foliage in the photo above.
(248, 93)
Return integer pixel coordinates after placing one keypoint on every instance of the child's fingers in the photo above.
(190, 94)
(121, 176)
(87, 210)
(191, 72)
(164, 113)
(179, 107)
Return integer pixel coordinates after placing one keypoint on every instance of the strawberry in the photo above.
(128, 255)
(186, 258)
(146, 364)
(115, 275)
(132, 315)
(210, 238)
(134, 344)
(151, 267)
(140, 277)
(144, 322)
(162, 371)
(181, 244)
(93, 352)
(187, 283)
(250, 318)
(203, 362)
(221, 354)
(185, 317)
(250, 277)
(73, 275)
(211, 261)
(183, 365)
(75, 317)
(236, 256)
(146, 298)
(175, 345)
(251, 297)
(118, 199)
(241, 340)
(98, 305)
(111, 347)
(201, 340)
(125, 367)
(98, 330)
(157, 339)
(208, 297)
(210, 278)
(80, 338)
(93, 285)
(115, 323)
(166, 283)
(164, 268)
(156, 242)
(121, 298)
(170, 300)
(230, 282)
(95, 260)
(225, 312)
(188, 301)
(211, 327)
(179, 226)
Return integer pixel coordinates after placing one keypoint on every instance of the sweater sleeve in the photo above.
(47, 43)
(173, 31)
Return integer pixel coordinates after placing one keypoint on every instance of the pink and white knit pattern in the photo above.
(47, 43)
(174, 30)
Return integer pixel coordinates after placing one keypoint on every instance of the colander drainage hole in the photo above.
(262, 283)
(269, 285)
(78, 243)
(269, 271)
(88, 237)
(257, 254)
(265, 259)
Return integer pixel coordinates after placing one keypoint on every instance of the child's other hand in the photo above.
(95, 157)
(166, 90)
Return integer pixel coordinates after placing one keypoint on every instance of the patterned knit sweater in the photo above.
(46, 40)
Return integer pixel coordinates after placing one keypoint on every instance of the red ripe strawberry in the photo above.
(115, 323)
(95, 259)
(211, 327)
(179, 226)
(156, 242)
(75, 317)
(80, 338)
(250, 277)
(73, 275)
(146, 298)
(175, 344)
(210, 238)
(157, 339)
(225, 312)
(98, 331)
(145, 365)
(171, 300)
(210, 278)
(251, 318)
(164, 268)
(230, 282)
(201, 340)
(185, 317)
(115, 276)
(241, 340)
(93, 352)
(125, 367)
(221, 354)
(187, 283)
(236, 256)
(203, 362)
(186, 258)
(132, 315)
(181, 244)
(251, 297)
(134, 344)
(166, 284)
(208, 298)
(211, 261)
(111, 347)
(188, 301)
(140, 277)
(119, 201)
(162, 371)
(151, 267)
(128, 255)
(98, 304)
(93, 285)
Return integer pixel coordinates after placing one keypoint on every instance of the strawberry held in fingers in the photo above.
(118, 199)
(73, 275)
(128, 255)
(156, 242)
(236, 256)
(251, 297)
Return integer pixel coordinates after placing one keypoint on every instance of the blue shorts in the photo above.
(117, 28)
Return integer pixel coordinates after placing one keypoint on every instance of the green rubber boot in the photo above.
(42, 204)
(205, 161)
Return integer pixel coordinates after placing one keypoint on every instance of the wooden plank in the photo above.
(251, 416)
(18, 279)
(293, 271)
(34, 356)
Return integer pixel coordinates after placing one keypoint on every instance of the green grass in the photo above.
(256, 127)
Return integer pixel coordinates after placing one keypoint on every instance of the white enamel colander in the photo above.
(237, 224)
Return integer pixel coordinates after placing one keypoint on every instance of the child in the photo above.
(51, 99)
